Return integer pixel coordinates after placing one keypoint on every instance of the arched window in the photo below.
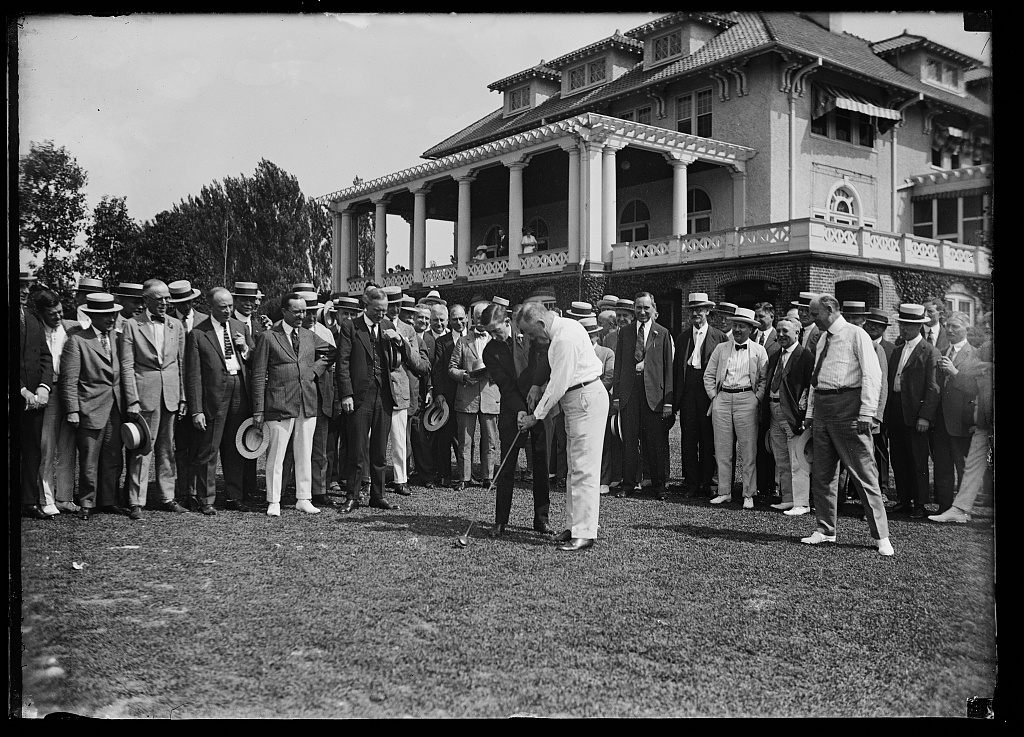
(698, 211)
(540, 231)
(634, 225)
(842, 206)
(959, 299)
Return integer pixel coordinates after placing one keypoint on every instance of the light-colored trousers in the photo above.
(400, 444)
(735, 416)
(973, 480)
(586, 413)
(488, 443)
(794, 484)
(300, 431)
(161, 427)
(57, 471)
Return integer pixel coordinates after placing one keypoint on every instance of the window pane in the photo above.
(936, 157)
(704, 125)
(947, 217)
(973, 206)
(675, 43)
(697, 200)
(923, 211)
(627, 116)
(972, 232)
(703, 102)
(643, 115)
(661, 48)
(640, 233)
(954, 161)
(843, 125)
(700, 225)
(684, 107)
(932, 70)
(866, 131)
(596, 71)
(923, 231)
(820, 125)
(576, 78)
(684, 126)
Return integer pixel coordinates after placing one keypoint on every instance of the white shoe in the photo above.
(304, 505)
(748, 503)
(950, 515)
(817, 538)
(721, 498)
(885, 547)
(273, 510)
(605, 489)
(51, 509)
(68, 507)
(782, 507)
(797, 511)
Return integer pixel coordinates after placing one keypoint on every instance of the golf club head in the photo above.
(463, 540)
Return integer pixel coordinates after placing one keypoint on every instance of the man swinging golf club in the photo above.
(575, 384)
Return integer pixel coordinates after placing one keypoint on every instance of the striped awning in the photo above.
(830, 98)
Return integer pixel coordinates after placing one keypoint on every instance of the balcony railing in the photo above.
(807, 234)
(543, 262)
(436, 275)
(398, 279)
(488, 268)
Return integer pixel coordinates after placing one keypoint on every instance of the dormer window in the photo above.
(586, 75)
(942, 73)
(668, 46)
(519, 98)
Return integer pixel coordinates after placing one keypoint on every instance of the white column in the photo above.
(739, 198)
(679, 164)
(515, 213)
(465, 231)
(893, 194)
(609, 207)
(380, 239)
(594, 250)
(343, 232)
(573, 236)
(419, 234)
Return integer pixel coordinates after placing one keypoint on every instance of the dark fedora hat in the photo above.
(878, 315)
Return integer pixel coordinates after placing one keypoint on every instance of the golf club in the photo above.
(463, 540)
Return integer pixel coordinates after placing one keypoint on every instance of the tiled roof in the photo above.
(616, 40)
(645, 30)
(973, 75)
(752, 33)
(896, 42)
(908, 41)
(540, 70)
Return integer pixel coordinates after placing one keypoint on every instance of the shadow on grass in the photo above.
(440, 527)
(740, 535)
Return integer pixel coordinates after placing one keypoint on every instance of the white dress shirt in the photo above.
(55, 338)
(908, 348)
(851, 361)
(787, 353)
(245, 321)
(158, 335)
(955, 348)
(573, 361)
(737, 367)
(698, 345)
(231, 363)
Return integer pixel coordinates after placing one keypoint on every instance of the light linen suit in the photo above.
(475, 402)
(155, 385)
(735, 415)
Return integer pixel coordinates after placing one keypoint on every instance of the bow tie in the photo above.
(741, 347)
(156, 318)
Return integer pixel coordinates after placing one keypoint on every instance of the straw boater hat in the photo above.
(128, 289)
(312, 300)
(99, 303)
(613, 422)
(394, 295)
(436, 415)
(408, 309)
(853, 308)
(607, 302)
(303, 286)
(500, 301)
(246, 289)
(347, 304)
(727, 308)
(580, 309)
(182, 291)
(27, 278)
(251, 441)
(804, 451)
(804, 300)
(698, 299)
(590, 323)
(744, 315)
(135, 436)
(911, 313)
(624, 304)
(878, 315)
(433, 298)
(88, 284)
(482, 247)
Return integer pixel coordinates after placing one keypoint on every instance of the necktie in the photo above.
(104, 343)
(777, 379)
(228, 349)
(638, 352)
(931, 335)
(295, 341)
(741, 347)
(821, 359)
(760, 337)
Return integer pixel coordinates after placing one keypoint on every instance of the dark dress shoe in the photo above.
(233, 505)
(576, 543)
(35, 512)
(918, 512)
(208, 510)
(322, 500)
(110, 509)
(485, 482)
(135, 512)
(902, 508)
(401, 490)
(497, 530)
(85, 513)
(173, 506)
(348, 506)
(428, 484)
(544, 528)
(383, 504)
(458, 485)
(564, 536)
(661, 494)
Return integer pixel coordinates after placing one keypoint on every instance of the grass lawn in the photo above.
(681, 609)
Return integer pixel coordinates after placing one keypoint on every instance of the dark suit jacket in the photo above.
(439, 377)
(206, 375)
(684, 346)
(355, 362)
(502, 370)
(282, 382)
(90, 382)
(36, 361)
(796, 380)
(919, 390)
(197, 317)
(657, 372)
(941, 342)
(958, 394)
(771, 344)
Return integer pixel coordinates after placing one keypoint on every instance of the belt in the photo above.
(232, 373)
(736, 391)
(775, 399)
(580, 386)
(840, 390)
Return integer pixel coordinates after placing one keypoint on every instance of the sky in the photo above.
(154, 106)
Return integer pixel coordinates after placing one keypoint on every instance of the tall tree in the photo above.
(110, 242)
(51, 210)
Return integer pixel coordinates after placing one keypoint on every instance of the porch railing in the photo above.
(398, 279)
(543, 262)
(436, 275)
(488, 268)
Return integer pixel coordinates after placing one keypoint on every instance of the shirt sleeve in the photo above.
(562, 358)
(870, 373)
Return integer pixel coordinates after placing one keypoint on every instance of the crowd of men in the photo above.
(810, 407)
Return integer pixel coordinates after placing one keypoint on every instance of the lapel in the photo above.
(283, 340)
(520, 354)
(93, 341)
(215, 336)
(962, 355)
(148, 329)
(360, 329)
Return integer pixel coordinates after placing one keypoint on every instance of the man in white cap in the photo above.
(247, 295)
(575, 385)
(735, 383)
(129, 294)
(86, 286)
(841, 408)
(910, 411)
(91, 394)
(694, 345)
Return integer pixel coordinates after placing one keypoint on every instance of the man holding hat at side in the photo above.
(90, 390)
(217, 353)
(694, 345)
(911, 409)
(735, 383)
(841, 408)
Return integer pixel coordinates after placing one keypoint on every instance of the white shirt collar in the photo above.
(241, 318)
(288, 329)
(912, 343)
(701, 330)
(789, 351)
(959, 346)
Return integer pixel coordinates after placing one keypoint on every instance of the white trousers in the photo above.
(734, 417)
(974, 471)
(300, 430)
(57, 471)
(794, 481)
(586, 412)
(399, 444)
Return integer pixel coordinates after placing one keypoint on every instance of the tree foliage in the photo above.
(110, 243)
